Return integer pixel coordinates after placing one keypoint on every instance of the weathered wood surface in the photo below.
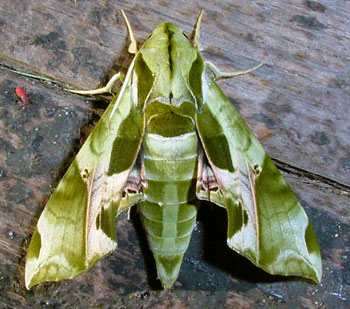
(297, 104)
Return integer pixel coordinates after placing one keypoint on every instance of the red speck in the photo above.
(21, 93)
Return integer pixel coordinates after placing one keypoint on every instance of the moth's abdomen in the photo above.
(169, 213)
(169, 228)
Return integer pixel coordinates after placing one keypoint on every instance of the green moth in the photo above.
(169, 138)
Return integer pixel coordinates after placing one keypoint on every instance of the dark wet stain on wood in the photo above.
(308, 22)
(315, 6)
(320, 138)
(270, 123)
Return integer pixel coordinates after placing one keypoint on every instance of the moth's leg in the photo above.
(219, 75)
(117, 76)
(207, 187)
(197, 43)
(105, 89)
(133, 45)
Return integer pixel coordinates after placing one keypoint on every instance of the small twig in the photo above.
(39, 77)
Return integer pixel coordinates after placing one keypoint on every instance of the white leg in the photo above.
(219, 75)
(105, 89)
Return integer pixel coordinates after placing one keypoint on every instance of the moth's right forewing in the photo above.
(266, 222)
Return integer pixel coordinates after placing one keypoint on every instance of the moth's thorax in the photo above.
(168, 55)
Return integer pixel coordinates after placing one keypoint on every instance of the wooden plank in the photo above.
(297, 104)
(298, 100)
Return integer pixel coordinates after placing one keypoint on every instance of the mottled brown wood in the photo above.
(297, 104)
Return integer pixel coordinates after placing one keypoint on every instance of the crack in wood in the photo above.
(291, 169)
(29, 75)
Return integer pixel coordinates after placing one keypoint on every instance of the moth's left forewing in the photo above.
(76, 227)
(266, 223)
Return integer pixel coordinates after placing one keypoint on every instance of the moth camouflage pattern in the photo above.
(169, 138)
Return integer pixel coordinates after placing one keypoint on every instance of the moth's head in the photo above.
(166, 31)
